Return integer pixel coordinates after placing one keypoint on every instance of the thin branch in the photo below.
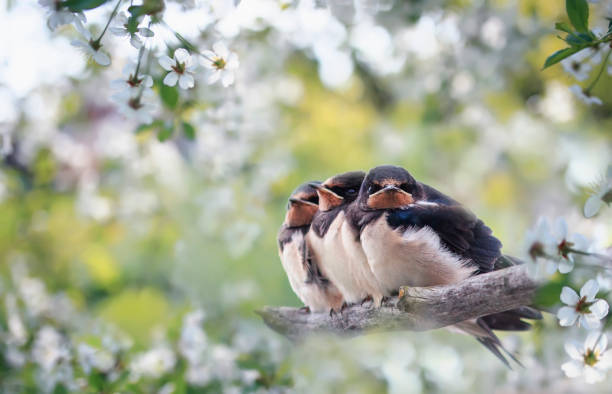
(418, 308)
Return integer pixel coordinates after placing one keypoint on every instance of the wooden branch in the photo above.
(417, 308)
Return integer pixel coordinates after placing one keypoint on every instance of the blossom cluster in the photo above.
(135, 97)
(45, 336)
(589, 49)
(561, 251)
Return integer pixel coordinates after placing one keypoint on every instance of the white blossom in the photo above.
(59, 15)
(153, 363)
(585, 309)
(584, 96)
(91, 358)
(602, 194)
(93, 49)
(590, 360)
(577, 65)
(554, 244)
(180, 68)
(193, 342)
(122, 28)
(17, 333)
(221, 63)
(140, 107)
(49, 348)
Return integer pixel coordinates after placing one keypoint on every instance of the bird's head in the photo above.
(388, 187)
(339, 189)
(302, 205)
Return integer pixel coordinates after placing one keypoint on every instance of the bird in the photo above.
(414, 235)
(316, 292)
(330, 245)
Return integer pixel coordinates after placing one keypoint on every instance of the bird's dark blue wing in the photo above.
(460, 231)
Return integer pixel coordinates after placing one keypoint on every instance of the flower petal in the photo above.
(591, 339)
(589, 322)
(589, 290)
(186, 81)
(135, 41)
(599, 309)
(220, 49)
(572, 368)
(592, 206)
(574, 350)
(551, 267)
(166, 62)
(569, 296)
(227, 79)
(171, 78)
(232, 62)
(101, 58)
(145, 32)
(181, 55)
(593, 375)
(566, 265)
(148, 81)
(567, 316)
(213, 77)
(561, 228)
(209, 55)
(119, 31)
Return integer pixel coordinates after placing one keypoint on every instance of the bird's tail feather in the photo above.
(479, 329)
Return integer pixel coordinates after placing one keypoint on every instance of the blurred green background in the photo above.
(137, 236)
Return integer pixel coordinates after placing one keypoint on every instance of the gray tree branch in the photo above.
(416, 309)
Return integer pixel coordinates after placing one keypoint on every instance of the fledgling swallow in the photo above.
(316, 292)
(413, 235)
(330, 244)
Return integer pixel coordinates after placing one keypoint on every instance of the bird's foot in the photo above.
(367, 299)
(304, 309)
(343, 307)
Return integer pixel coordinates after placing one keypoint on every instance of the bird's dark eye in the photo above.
(405, 187)
(313, 199)
(338, 190)
(351, 191)
(373, 188)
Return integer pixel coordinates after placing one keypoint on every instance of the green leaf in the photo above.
(165, 133)
(549, 294)
(575, 40)
(149, 7)
(81, 5)
(169, 95)
(189, 130)
(563, 27)
(560, 55)
(578, 13)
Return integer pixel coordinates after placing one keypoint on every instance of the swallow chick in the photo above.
(413, 235)
(328, 238)
(316, 292)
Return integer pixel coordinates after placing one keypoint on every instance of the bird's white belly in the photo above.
(358, 264)
(412, 258)
(334, 261)
(317, 298)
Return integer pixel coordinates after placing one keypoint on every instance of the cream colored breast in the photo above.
(334, 261)
(412, 258)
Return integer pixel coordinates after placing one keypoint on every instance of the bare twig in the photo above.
(417, 308)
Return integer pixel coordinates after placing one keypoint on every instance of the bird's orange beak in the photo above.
(327, 199)
(390, 196)
(300, 212)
